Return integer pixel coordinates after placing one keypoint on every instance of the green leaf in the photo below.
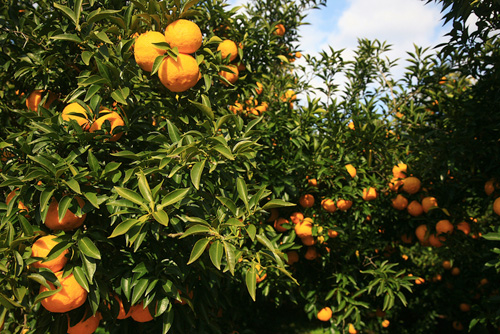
(90, 266)
(157, 64)
(130, 195)
(67, 37)
(86, 56)
(139, 289)
(67, 11)
(81, 278)
(196, 172)
(120, 95)
(49, 166)
(492, 236)
(144, 187)
(205, 109)
(103, 37)
(196, 229)
(92, 198)
(168, 320)
(215, 252)
(124, 227)
(283, 58)
(88, 248)
(73, 185)
(174, 197)
(225, 151)
(230, 256)
(251, 281)
(173, 132)
(227, 202)
(252, 231)
(198, 249)
(242, 190)
(234, 222)
(161, 217)
(277, 203)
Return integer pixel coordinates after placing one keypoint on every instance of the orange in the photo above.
(455, 271)
(179, 75)
(369, 194)
(70, 297)
(351, 170)
(457, 325)
(229, 49)
(352, 329)
(411, 185)
(278, 224)
(311, 253)
(289, 96)
(464, 307)
(446, 264)
(400, 202)
(333, 233)
(260, 276)
(259, 88)
(298, 54)
(434, 241)
(87, 326)
(344, 204)
(489, 187)
(20, 205)
(308, 240)
(145, 52)
(444, 226)
(140, 314)
(113, 118)
(325, 314)
(306, 200)
(395, 184)
(496, 206)
(464, 227)
(121, 313)
(399, 171)
(304, 229)
(35, 98)
(274, 215)
(386, 323)
(419, 281)
(279, 30)
(415, 208)
(421, 232)
(312, 183)
(232, 75)
(406, 239)
(185, 35)
(329, 205)
(428, 203)
(69, 222)
(351, 125)
(42, 247)
(77, 112)
(293, 257)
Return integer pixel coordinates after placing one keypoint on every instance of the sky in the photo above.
(401, 23)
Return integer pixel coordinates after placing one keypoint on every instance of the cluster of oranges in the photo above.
(250, 106)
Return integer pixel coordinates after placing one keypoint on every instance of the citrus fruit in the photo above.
(406, 239)
(399, 171)
(352, 329)
(434, 241)
(333, 233)
(344, 204)
(455, 271)
(274, 215)
(145, 52)
(229, 49)
(489, 187)
(293, 257)
(260, 275)
(69, 222)
(185, 35)
(351, 170)
(386, 323)
(496, 206)
(140, 314)
(329, 205)
(278, 224)
(306, 200)
(400, 202)
(232, 75)
(311, 253)
(77, 112)
(87, 326)
(35, 97)
(421, 232)
(304, 229)
(464, 227)
(428, 203)
(444, 226)
(369, 194)
(464, 307)
(325, 314)
(411, 185)
(312, 182)
(179, 75)
(279, 30)
(114, 119)
(20, 205)
(42, 247)
(70, 297)
(308, 240)
(415, 208)
(395, 184)
(446, 264)
(297, 217)
(259, 88)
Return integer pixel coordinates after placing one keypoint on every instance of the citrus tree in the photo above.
(160, 171)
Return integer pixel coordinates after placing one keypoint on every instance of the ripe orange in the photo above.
(457, 325)
(35, 97)
(278, 224)
(400, 202)
(293, 257)
(352, 329)
(428, 203)
(351, 170)
(455, 271)
(421, 232)
(325, 314)
(306, 200)
(411, 185)
(415, 208)
(42, 247)
(232, 76)
(259, 88)
(395, 184)
(229, 49)
(185, 35)
(140, 314)
(329, 205)
(69, 222)
(444, 226)
(464, 307)
(274, 215)
(145, 52)
(344, 204)
(496, 206)
(279, 30)
(70, 297)
(464, 227)
(386, 323)
(77, 112)
(308, 240)
(369, 194)
(121, 313)
(434, 241)
(304, 229)
(333, 233)
(399, 171)
(179, 75)
(446, 264)
(489, 187)
(312, 182)
(9, 198)
(406, 239)
(297, 217)
(351, 125)
(114, 119)
(260, 276)
(311, 253)
(87, 326)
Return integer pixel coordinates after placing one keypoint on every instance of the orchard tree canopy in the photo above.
(160, 173)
